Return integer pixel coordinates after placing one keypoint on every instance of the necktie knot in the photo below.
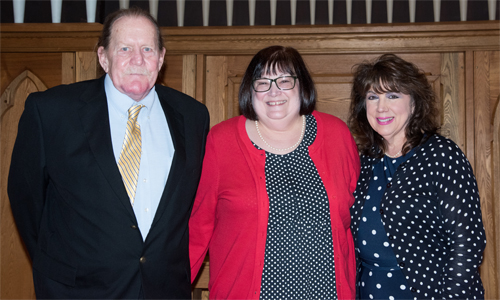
(133, 113)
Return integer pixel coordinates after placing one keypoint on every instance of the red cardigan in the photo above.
(231, 208)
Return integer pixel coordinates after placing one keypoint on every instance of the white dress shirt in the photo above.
(157, 149)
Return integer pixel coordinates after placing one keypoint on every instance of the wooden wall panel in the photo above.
(189, 75)
(461, 60)
(46, 66)
(68, 68)
(494, 83)
(452, 93)
(483, 163)
(216, 85)
(496, 184)
(469, 108)
(15, 276)
(172, 72)
(86, 66)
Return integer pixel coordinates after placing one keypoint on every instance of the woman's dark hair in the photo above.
(390, 73)
(275, 59)
(135, 12)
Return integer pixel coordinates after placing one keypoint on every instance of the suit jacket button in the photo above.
(142, 259)
(133, 226)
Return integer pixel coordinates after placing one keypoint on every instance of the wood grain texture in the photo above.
(15, 276)
(495, 108)
(200, 78)
(68, 67)
(469, 108)
(47, 67)
(216, 85)
(172, 72)
(189, 75)
(453, 101)
(316, 39)
(496, 184)
(483, 137)
(86, 66)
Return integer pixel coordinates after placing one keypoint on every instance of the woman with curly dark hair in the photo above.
(416, 221)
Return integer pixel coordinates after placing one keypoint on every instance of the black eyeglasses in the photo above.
(283, 83)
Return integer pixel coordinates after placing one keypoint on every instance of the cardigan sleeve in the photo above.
(460, 207)
(202, 221)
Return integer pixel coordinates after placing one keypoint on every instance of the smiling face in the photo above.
(276, 104)
(132, 59)
(388, 115)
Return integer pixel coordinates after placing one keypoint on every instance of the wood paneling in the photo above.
(189, 75)
(483, 170)
(496, 183)
(171, 74)
(216, 85)
(461, 60)
(68, 68)
(453, 107)
(46, 66)
(86, 66)
(15, 276)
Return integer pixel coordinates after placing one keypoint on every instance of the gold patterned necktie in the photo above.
(130, 156)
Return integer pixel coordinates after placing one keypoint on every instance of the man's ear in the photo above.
(103, 58)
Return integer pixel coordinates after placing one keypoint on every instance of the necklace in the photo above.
(395, 155)
(285, 149)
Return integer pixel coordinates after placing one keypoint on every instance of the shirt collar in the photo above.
(121, 102)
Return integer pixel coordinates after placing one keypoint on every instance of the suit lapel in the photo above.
(95, 121)
(175, 122)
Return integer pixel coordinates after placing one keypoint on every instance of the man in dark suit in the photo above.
(96, 225)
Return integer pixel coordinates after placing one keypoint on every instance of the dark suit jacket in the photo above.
(72, 209)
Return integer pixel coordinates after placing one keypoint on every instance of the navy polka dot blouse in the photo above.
(431, 214)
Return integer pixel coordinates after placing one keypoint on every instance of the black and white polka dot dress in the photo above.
(298, 261)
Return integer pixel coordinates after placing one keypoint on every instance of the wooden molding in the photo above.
(311, 39)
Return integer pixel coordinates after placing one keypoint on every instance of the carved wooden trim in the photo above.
(8, 98)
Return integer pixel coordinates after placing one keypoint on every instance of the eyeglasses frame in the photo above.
(276, 83)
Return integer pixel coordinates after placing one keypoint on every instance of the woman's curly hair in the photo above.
(390, 73)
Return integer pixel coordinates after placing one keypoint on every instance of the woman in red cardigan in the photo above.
(272, 207)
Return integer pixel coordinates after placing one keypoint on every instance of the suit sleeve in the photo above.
(27, 177)
(202, 221)
(460, 206)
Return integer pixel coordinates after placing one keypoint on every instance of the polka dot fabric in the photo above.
(432, 218)
(380, 276)
(298, 261)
